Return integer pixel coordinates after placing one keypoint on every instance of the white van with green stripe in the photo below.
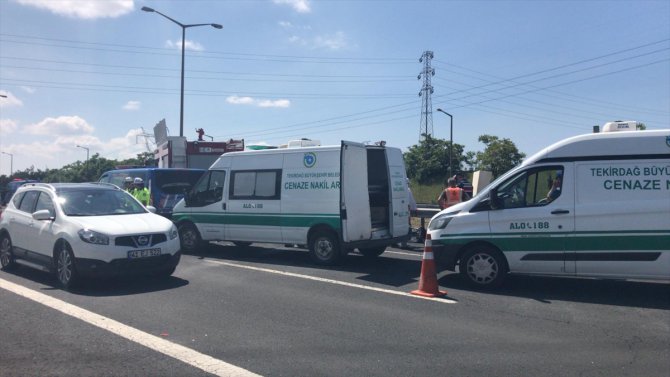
(332, 199)
(608, 215)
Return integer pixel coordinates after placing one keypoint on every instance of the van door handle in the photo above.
(223, 206)
(559, 211)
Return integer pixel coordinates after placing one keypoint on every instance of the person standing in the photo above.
(451, 195)
(140, 192)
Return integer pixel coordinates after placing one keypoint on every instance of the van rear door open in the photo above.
(399, 193)
(354, 199)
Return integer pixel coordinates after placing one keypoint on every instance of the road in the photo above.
(268, 310)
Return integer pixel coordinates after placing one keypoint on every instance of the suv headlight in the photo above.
(91, 236)
(174, 233)
(440, 222)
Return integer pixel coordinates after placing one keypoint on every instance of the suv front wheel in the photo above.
(65, 269)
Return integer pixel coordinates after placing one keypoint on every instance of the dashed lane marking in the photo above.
(194, 358)
(331, 281)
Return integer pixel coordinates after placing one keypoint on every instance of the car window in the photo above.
(119, 177)
(28, 201)
(95, 202)
(535, 187)
(176, 182)
(258, 184)
(17, 199)
(209, 189)
(44, 202)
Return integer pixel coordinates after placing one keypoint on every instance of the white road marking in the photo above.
(181, 353)
(331, 281)
(417, 254)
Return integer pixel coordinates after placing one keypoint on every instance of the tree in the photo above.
(499, 155)
(428, 162)
(470, 160)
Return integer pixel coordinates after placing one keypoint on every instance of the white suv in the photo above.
(85, 229)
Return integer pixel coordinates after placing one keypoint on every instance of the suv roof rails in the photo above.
(38, 184)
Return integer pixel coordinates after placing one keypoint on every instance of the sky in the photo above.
(100, 74)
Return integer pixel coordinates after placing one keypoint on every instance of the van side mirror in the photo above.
(188, 198)
(494, 200)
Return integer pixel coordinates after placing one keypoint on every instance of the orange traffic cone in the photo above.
(428, 286)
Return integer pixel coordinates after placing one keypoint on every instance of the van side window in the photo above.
(256, 184)
(534, 187)
(209, 188)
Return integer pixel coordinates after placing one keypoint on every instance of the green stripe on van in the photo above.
(580, 241)
(288, 220)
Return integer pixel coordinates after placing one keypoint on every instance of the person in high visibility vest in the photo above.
(451, 195)
(140, 192)
(128, 184)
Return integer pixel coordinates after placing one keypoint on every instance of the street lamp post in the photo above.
(11, 163)
(451, 137)
(79, 146)
(183, 43)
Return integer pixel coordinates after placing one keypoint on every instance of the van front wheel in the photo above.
(483, 266)
(324, 248)
(190, 238)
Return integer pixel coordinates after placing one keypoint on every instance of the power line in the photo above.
(209, 55)
(571, 82)
(557, 94)
(335, 81)
(196, 92)
(578, 62)
(152, 68)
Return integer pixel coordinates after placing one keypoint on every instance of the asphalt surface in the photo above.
(269, 310)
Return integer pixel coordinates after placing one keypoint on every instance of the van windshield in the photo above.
(177, 181)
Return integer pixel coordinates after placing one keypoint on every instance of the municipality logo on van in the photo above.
(667, 141)
(309, 159)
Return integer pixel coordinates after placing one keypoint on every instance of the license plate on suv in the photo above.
(146, 253)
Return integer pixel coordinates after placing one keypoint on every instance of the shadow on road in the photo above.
(397, 271)
(121, 286)
(651, 295)
(384, 270)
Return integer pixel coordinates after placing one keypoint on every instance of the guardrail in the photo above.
(424, 211)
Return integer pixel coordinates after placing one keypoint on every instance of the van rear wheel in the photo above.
(483, 266)
(324, 248)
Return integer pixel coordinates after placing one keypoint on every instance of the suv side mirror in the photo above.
(43, 214)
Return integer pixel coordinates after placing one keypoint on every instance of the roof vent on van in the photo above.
(303, 143)
(619, 125)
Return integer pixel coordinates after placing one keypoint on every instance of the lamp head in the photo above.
(217, 26)
(147, 9)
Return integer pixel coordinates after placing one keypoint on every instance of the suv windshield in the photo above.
(92, 202)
